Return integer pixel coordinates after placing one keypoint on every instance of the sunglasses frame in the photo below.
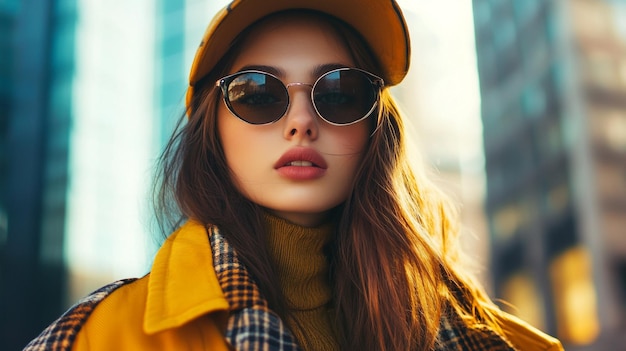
(377, 83)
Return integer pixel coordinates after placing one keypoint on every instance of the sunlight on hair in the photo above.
(440, 101)
(116, 138)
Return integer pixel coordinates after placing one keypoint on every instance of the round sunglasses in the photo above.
(341, 97)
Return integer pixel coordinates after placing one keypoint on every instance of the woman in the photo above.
(300, 223)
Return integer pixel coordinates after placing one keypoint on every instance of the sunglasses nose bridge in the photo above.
(299, 84)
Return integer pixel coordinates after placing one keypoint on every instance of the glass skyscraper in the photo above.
(553, 86)
(36, 69)
(76, 146)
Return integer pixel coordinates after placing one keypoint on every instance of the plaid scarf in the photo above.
(252, 325)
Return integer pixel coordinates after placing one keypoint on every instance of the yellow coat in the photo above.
(180, 306)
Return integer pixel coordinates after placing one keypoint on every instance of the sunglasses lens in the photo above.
(344, 96)
(257, 98)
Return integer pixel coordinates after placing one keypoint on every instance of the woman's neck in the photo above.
(309, 220)
(298, 254)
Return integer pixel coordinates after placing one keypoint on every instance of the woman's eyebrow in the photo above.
(321, 69)
(268, 69)
(315, 73)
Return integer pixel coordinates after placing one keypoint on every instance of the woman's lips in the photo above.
(301, 164)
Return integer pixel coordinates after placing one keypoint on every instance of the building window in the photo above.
(615, 127)
(591, 19)
(549, 140)
(534, 101)
(525, 10)
(600, 69)
(614, 225)
(609, 128)
(622, 73)
(557, 199)
(514, 216)
(618, 11)
(620, 275)
(506, 221)
(482, 13)
(611, 180)
(505, 34)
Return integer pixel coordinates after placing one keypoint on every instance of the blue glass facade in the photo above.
(35, 78)
(171, 80)
(8, 10)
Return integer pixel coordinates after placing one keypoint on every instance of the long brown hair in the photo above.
(394, 260)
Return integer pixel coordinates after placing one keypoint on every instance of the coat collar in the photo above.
(183, 284)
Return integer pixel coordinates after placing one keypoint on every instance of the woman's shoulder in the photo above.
(181, 287)
(526, 337)
(60, 335)
(515, 335)
(512, 334)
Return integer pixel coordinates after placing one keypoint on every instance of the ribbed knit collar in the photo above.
(298, 254)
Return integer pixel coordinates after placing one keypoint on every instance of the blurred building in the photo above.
(179, 29)
(7, 20)
(441, 101)
(553, 87)
(36, 67)
(170, 82)
(113, 144)
(76, 146)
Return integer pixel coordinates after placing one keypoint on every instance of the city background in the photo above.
(518, 106)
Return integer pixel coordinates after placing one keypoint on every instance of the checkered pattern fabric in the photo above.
(60, 335)
(251, 325)
(454, 334)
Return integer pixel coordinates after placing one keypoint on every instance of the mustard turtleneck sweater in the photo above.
(298, 254)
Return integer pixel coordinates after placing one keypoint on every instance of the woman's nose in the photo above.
(301, 118)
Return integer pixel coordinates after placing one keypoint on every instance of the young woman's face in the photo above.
(299, 167)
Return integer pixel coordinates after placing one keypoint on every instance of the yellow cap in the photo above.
(380, 22)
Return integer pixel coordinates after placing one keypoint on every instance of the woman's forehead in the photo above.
(298, 40)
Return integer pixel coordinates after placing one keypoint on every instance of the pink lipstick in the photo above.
(301, 163)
